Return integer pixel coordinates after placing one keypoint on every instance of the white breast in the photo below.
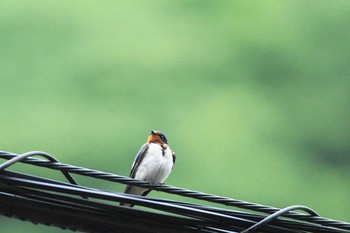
(155, 167)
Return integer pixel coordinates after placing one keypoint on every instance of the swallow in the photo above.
(153, 163)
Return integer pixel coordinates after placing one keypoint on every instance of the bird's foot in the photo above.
(149, 182)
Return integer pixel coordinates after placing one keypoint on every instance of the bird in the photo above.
(153, 163)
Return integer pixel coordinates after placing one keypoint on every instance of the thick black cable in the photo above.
(55, 198)
(97, 207)
(65, 213)
(178, 191)
(287, 224)
(208, 216)
(303, 226)
(117, 197)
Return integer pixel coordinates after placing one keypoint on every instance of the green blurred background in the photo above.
(253, 96)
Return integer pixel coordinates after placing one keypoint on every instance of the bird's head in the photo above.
(157, 137)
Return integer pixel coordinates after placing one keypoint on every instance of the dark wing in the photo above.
(138, 159)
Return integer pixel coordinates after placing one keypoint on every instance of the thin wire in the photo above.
(21, 157)
(26, 155)
(276, 215)
(177, 191)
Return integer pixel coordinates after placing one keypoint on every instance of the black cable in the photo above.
(208, 217)
(118, 197)
(255, 217)
(276, 215)
(177, 191)
(98, 208)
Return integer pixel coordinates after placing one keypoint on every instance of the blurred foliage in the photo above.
(254, 96)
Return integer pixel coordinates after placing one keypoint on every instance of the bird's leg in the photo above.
(149, 182)
(160, 184)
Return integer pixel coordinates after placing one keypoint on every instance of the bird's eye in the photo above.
(163, 138)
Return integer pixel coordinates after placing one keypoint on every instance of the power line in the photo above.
(40, 192)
